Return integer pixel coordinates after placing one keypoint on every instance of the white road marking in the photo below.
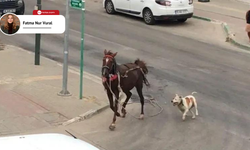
(101, 39)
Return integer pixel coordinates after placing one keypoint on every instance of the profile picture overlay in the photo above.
(10, 24)
(49, 23)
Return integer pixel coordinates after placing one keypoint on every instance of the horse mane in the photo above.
(141, 64)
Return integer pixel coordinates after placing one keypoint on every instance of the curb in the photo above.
(229, 36)
(86, 115)
(202, 18)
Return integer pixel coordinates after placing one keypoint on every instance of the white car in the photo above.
(152, 10)
(46, 141)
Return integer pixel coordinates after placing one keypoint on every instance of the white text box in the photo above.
(46, 24)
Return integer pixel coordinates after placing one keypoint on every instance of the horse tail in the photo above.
(144, 70)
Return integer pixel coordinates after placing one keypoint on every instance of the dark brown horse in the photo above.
(118, 79)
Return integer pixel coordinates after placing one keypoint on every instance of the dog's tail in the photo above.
(194, 93)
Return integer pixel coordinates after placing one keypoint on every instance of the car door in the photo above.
(122, 5)
(136, 6)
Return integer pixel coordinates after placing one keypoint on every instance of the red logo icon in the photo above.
(46, 12)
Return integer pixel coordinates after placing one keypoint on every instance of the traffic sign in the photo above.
(77, 4)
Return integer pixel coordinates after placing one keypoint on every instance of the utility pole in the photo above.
(64, 91)
(38, 39)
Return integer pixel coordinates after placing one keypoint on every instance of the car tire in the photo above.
(148, 17)
(109, 6)
(182, 20)
(22, 10)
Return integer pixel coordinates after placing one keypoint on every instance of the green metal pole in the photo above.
(82, 48)
(38, 39)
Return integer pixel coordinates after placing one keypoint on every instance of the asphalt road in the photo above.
(180, 61)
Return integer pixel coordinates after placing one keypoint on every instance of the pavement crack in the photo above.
(30, 100)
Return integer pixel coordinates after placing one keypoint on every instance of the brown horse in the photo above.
(119, 79)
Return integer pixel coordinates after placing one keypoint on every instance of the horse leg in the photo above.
(110, 96)
(128, 94)
(112, 126)
(139, 91)
(111, 104)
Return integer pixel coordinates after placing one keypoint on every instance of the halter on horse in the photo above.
(118, 79)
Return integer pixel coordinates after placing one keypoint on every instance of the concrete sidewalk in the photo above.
(28, 93)
(230, 12)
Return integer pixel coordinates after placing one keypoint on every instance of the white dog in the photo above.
(185, 104)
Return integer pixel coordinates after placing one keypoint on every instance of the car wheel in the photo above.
(182, 20)
(109, 6)
(148, 17)
(22, 10)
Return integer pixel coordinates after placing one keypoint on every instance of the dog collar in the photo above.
(181, 103)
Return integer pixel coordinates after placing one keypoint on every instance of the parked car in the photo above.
(152, 10)
(12, 6)
(44, 141)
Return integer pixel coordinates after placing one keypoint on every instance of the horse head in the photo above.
(108, 64)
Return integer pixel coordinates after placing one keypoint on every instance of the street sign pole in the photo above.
(38, 39)
(80, 4)
(64, 91)
(82, 49)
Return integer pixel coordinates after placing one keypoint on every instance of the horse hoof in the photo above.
(141, 117)
(112, 127)
(124, 112)
(118, 114)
